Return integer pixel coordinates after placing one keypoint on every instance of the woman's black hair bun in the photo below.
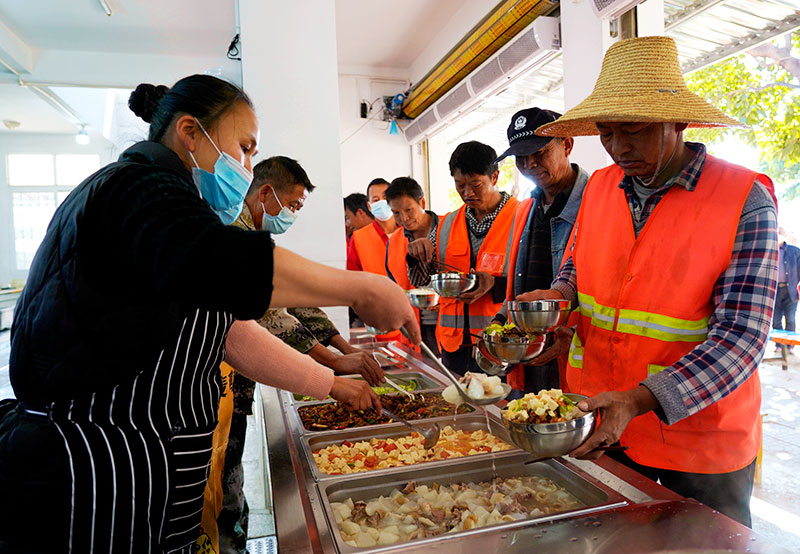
(145, 99)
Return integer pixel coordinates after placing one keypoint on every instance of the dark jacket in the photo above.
(127, 255)
(791, 268)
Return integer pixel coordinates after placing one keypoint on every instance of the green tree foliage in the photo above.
(760, 89)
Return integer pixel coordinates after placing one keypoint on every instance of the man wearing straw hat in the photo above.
(673, 268)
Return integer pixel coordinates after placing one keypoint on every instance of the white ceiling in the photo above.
(387, 33)
(34, 114)
(180, 27)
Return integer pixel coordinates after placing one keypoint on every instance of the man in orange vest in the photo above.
(367, 249)
(407, 201)
(673, 269)
(356, 214)
(475, 238)
(542, 227)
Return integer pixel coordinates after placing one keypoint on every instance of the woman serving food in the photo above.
(126, 316)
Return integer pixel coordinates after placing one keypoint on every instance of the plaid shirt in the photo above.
(480, 228)
(743, 297)
(419, 273)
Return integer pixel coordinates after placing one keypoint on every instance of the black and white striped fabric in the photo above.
(139, 454)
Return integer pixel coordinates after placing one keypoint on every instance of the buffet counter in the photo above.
(616, 510)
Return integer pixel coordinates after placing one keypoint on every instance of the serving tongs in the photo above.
(464, 396)
(448, 266)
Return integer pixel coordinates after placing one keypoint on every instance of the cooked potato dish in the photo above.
(420, 511)
(351, 457)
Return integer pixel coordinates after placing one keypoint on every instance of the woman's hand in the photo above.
(380, 303)
(359, 363)
(383, 305)
(356, 395)
(421, 249)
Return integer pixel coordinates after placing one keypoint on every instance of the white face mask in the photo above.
(381, 210)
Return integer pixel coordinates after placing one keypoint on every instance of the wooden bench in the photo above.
(783, 340)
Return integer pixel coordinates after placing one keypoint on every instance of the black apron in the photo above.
(126, 467)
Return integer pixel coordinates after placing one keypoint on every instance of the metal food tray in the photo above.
(465, 422)
(426, 383)
(365, 486)
(303, 431)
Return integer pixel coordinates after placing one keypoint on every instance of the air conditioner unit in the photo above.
(532, 48)
(609, 9)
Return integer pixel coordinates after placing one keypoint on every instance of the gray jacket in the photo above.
(560, 229)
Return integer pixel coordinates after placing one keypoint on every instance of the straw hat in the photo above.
(640, 81)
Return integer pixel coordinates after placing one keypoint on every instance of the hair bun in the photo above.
(145, 99)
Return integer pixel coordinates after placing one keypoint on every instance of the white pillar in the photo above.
(585, 39)
(289, 69)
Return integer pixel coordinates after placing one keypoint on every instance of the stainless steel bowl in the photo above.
(423, 298)
(552, 439)
(509, 350)
(490, 366)
(450, 285)
(539, 316)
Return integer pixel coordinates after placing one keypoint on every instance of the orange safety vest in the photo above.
(645, 302)
(370, 248)
(372, 255)
(493, 257)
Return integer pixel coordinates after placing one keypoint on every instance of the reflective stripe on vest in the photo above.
(645, 324)
(662, 327)
(576, 352)
(645, 301)
(457, 321)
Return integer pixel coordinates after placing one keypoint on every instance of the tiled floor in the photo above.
(775, 506)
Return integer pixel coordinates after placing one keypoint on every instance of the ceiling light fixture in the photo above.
(11, 124)
(82, 137)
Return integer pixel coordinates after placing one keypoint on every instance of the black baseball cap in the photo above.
(522, 137)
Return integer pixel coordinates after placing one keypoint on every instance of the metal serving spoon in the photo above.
(464, 396)
(431, 434)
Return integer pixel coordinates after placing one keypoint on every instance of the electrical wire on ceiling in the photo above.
(371, 118)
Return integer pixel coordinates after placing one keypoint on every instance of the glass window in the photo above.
(32, 212)
(30, 170)
(71, 169)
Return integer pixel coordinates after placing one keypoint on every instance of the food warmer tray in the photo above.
(296, 415)
(365, 486)
(425, 382)
(654, 519)
(463, 422)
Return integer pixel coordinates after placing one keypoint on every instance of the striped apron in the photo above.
(139, 453)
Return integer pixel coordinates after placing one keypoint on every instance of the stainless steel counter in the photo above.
(637, 514)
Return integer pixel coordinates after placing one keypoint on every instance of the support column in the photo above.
(289, 69)
(585, 39)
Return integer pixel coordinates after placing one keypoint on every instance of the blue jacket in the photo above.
(560, 229)
(791, 268)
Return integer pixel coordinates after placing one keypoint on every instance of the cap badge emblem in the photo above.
(520, 122)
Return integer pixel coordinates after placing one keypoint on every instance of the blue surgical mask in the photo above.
(224, 189)
(277, 224)
(381, 210)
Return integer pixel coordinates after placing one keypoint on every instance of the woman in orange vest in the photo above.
(673, 271)
(474, 238)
